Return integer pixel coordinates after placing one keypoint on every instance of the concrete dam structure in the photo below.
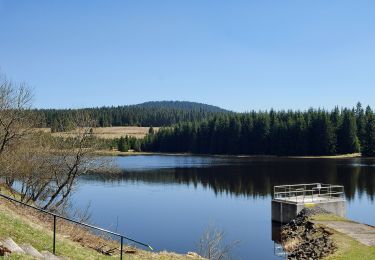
(289, 200)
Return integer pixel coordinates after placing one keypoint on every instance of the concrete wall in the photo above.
(336, 207)
(284, 212)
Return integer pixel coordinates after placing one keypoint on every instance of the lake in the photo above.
(168, 201)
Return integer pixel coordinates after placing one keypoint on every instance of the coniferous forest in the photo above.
(312, 132)
(157, 113)
(188, 127)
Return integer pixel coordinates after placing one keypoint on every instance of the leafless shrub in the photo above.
(212, 245)
(15, 115)
(49, 170)
(45, 168)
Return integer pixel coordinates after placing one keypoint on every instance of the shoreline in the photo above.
(30, 227)
(123, 154)
(324, 235)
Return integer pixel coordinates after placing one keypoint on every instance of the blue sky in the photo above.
(240, 55)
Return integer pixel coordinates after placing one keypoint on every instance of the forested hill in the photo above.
(156, 113)
(181, 105)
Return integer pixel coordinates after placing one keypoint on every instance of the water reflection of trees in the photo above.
(258, 178)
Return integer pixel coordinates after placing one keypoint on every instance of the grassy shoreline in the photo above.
(118, 153)
(26, 226)
(347, 247)
(316, 234)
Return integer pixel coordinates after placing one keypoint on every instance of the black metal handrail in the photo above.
(56, 216)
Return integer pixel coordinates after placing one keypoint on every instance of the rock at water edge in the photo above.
(12, 246)
(29, 250)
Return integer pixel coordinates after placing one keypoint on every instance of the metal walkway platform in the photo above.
(308, 193)
(289, 200)
(310, 199)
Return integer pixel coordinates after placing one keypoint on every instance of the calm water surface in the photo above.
(168, 201)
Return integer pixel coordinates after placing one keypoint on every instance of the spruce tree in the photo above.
(299, 139)
(122, 145)
(151, 130)
(369, 140)
(347, 141)
(361, 123)
(322, 135)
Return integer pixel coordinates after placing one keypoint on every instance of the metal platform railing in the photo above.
(56, 216)
(310, 192)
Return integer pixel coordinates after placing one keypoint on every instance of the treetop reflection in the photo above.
(256, 177)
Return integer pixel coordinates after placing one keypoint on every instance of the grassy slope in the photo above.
(23, 231)
(348, 248)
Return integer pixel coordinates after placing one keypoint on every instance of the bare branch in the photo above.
(212, 246)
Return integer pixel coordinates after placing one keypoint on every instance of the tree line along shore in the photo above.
(315, 132)
(282, 133)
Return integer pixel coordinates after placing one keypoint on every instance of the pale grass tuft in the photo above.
(291, 244)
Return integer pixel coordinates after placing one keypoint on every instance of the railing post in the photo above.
(330, 191)
(122, 241)
(54, 234)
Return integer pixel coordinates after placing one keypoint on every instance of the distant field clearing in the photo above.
(110, 132)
